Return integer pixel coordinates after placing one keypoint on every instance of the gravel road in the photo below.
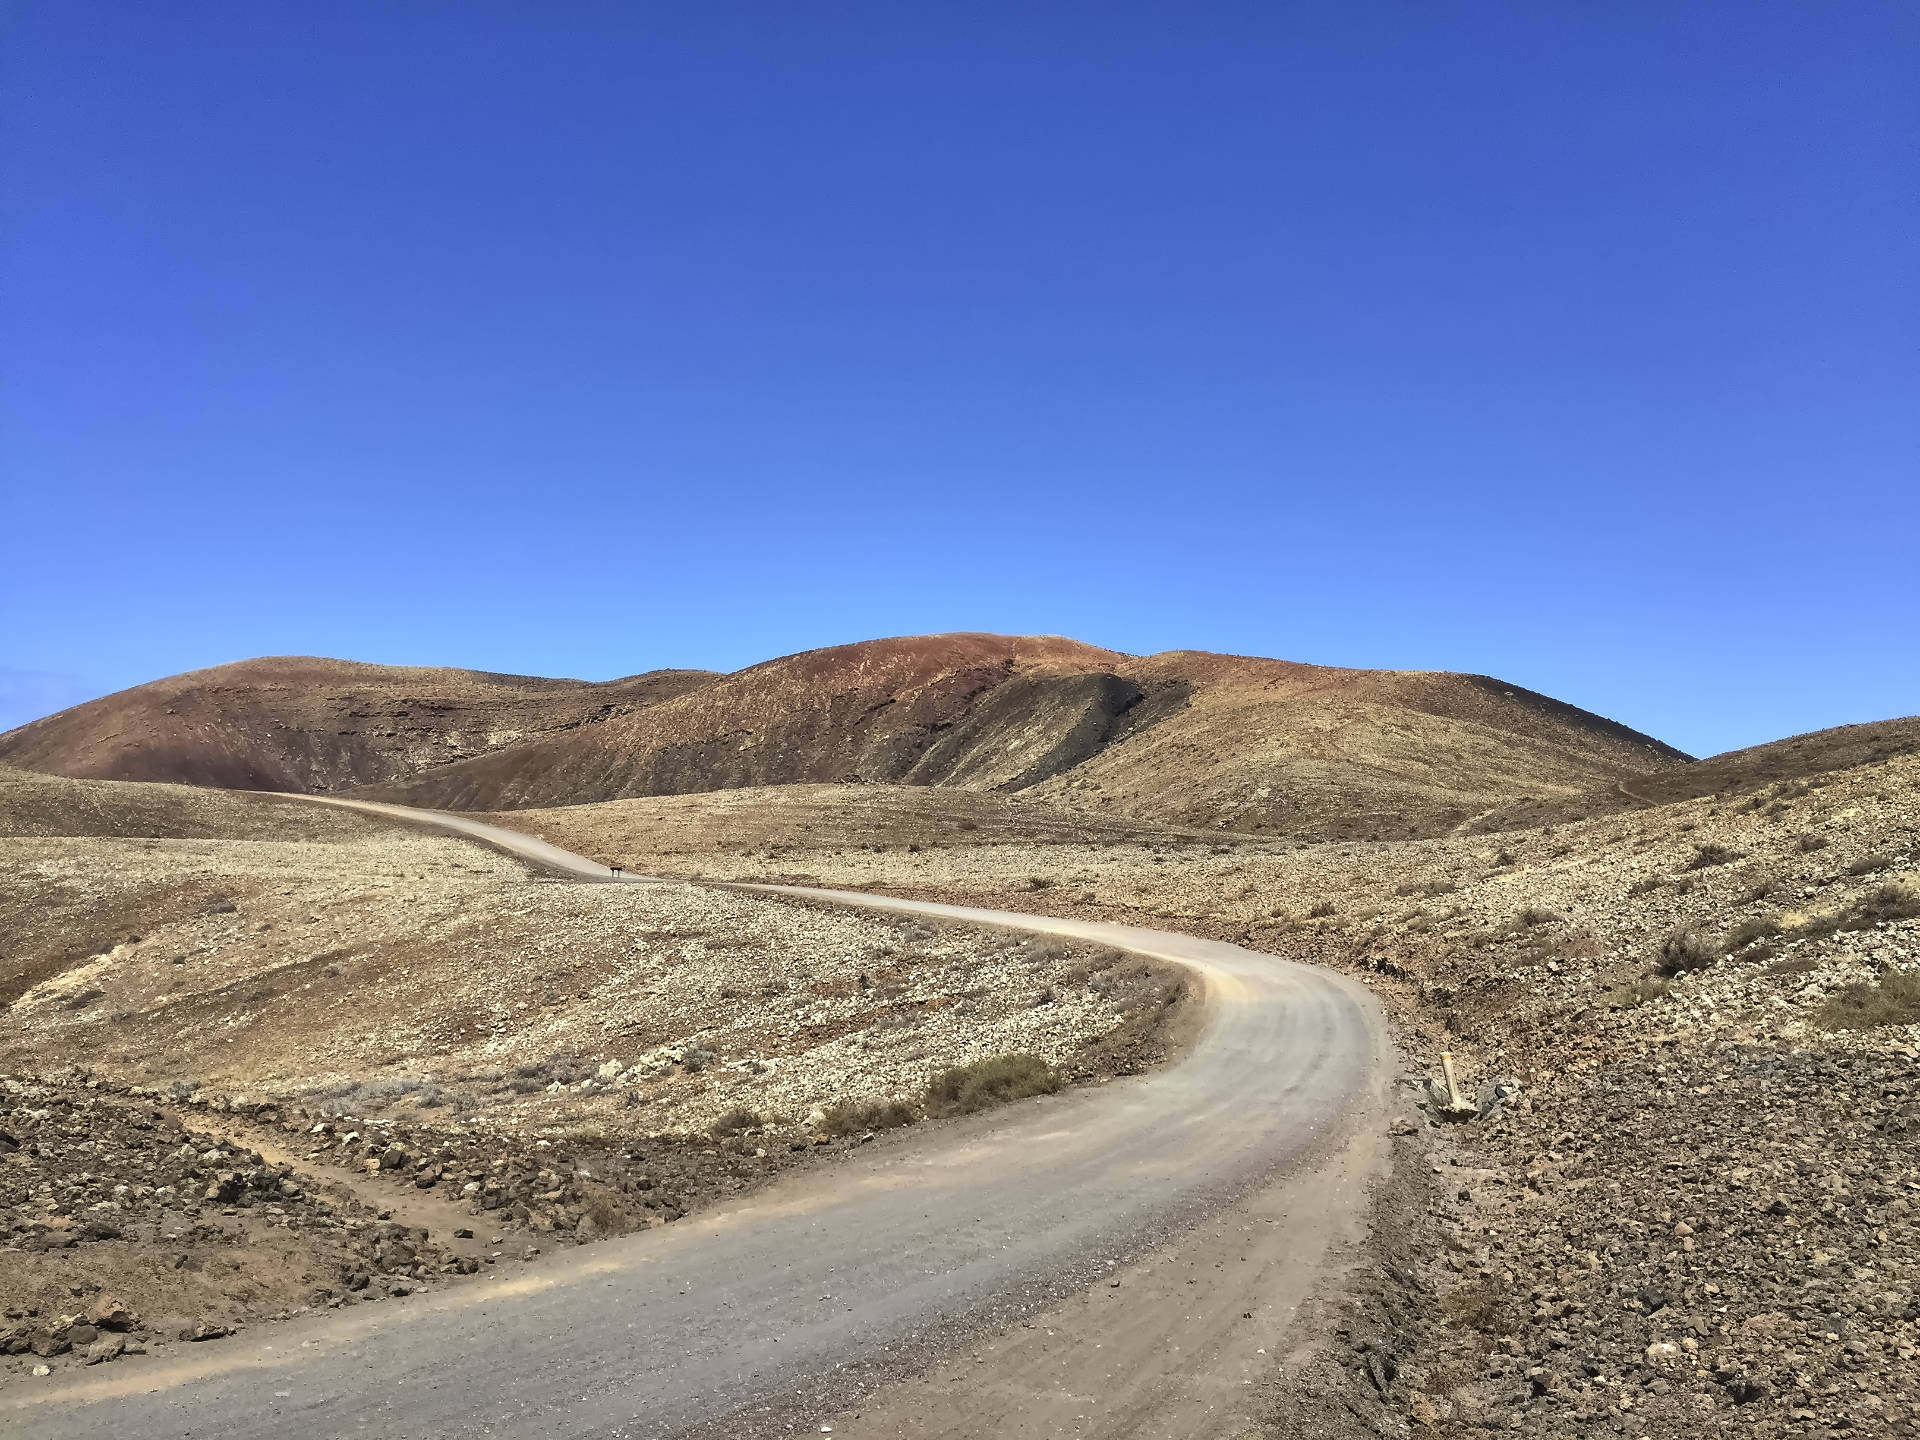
(804, 1299)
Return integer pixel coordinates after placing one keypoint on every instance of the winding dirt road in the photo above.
(1122, 1260)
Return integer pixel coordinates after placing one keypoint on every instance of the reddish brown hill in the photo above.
(299, 723)
(1266, 746)
(1187, 738)
(979, 710)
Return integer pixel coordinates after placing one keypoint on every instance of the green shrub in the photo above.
(1894, 1000)
(964, 1089)
(856, 1117)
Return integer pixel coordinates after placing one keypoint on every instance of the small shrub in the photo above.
(733, 1122)
(1889, 902)
(1811, 842)
(1748, 932)
(1505, 857)
(1535, 915)
(964, 1089)
(1643, 992)
(1705, 857)
(1646, 886)
(1321, 910)
(1894, 1000)
(856, 1117)
(1871, 865)
(1685, 949)
(1039, 882)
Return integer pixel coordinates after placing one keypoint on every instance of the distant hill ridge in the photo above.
(1184, 737)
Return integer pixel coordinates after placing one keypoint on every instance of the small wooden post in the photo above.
(1456, 1105)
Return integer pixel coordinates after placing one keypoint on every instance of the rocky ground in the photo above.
(1684, 1203)
(247, 1074)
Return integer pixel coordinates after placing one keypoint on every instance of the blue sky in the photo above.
(1564, 342)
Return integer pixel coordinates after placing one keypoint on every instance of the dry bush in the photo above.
(996, 1080)
(1749, 932)
(1893, 1000)
(733, 1122)
(856, 1117)
(1706, 856)
(1685, 949)
(1889, 902)
(1643, 992)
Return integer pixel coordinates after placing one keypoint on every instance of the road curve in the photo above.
(794, 1302)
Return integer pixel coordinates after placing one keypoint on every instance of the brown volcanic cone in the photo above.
(299, 723)
(1220, 741)
(979, 710)
(1185, 737)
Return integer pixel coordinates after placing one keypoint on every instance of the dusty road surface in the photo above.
(1108, 1261)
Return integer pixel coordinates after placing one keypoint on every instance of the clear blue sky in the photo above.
(1573, 343)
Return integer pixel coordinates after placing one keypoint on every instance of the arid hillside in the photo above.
(1184, 738)
(1190, 739)
(1685, 1202)
(254, 1050)
(298, 723)
(1734, 773)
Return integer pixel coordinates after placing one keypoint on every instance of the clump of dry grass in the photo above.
(1684, 950)
(1893, 1000)
(856, 1117)
(996, 1080)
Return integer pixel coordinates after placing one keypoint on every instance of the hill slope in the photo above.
(299, 723)
(1185, 738)
(1264, 746)
(1736, 772)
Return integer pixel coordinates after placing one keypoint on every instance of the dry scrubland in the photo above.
(355, 1018)
(1685, 1205)
(1690, 1205)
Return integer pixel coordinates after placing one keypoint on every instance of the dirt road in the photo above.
(1111, 1261)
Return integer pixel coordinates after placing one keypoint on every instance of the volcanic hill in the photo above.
(306, 724)
(1188, 738)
